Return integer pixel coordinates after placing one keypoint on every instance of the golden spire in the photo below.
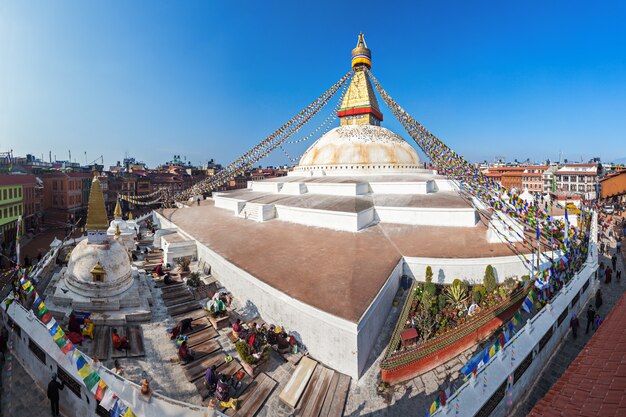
(361, 55)
(96, 213)
(359, 105)
(117, 213)
(130, 215)
(117, 230)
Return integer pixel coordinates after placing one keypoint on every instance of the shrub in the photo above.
(477, 297)
(490, 279)
(243, 350)
(442, 302)
(457, 294)
(183, 263)
(194, 280)
(510, 284)
(430, 288)
(429, 274)
(526, 278)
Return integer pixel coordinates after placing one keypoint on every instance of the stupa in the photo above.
(127, 232)
(323, 250)
(99, 277)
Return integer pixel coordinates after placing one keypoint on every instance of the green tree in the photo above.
(490, 279)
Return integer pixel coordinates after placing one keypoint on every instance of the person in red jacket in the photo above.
(119, 343)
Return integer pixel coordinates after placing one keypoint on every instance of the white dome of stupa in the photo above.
(365, 147)
(99, 270)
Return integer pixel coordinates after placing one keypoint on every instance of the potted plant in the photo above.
(248, 361)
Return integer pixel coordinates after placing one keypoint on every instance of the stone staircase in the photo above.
(252, 211)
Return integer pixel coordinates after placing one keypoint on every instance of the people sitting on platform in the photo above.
(210, 378)
(237, 328)
(117, 368)
(158, 271)
(74, 325)
(183, 326)
(184, 353)
(119, 343)
(167, 279)
(216, 308)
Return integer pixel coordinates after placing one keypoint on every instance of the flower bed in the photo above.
(401, 363)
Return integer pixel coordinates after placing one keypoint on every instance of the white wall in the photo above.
(333, 188)
(336, 220)
(330, 339)
(422, 187)
(375, 317)
(223, 202)
(472, 270)
(427, 216)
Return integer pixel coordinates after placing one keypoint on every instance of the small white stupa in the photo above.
(119, 225)
(99, 277)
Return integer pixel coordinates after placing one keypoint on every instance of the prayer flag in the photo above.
(43, 311)
(46, 318)
(433, 407)
(129, 413)
(61, 342)
(518, 316)
(68, 347)
(108, 399)
(527, 305)
(91, 380)
(51, 324)
(102, 386)
(53, 329)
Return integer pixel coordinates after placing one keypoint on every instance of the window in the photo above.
(522, 367)
(563, 316)
(37, 351)
(54, 185)
(546, 337)
(10, 193)
(4, 194)
(20, 191)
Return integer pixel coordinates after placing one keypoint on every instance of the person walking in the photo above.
(618, 275)
(591, 315)
(598, 300)
(573, 323)
(608, 273)
(53, 394)
(614, 260)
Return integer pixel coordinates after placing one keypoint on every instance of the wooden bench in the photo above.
(294, 388)
(102, 342)
(135, 338)
(161, 284)
(197, 325)
(203, 350)
(315, 393)
(251, 401)
(335, 401)
(184, 309)
(195, 339)
(227, 369)
(174, 301)
(198, 369)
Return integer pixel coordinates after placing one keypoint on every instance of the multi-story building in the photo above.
(66, 195)
(33, 200)
(576, 178)
(11, 204)
(613, 186)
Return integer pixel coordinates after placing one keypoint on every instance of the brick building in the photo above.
(66, 195)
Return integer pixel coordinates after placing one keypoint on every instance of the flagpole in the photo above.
(18, 238)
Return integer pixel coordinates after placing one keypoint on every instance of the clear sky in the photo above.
(211, 79)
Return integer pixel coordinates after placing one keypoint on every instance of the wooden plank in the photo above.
(229, 369)
(196, 371)
(197, 325)
(184, 309)
(317, 394)
(101, 342)
(174, 291)
(332, 388)
(182, 299)
(339, 398)
(115, 354)
(135, 338)
(308, 392)
(203, 350)
(297, 383)
(201, 337)
(250, 404)
(161, 284)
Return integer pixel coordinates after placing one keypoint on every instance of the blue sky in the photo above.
(211, 79)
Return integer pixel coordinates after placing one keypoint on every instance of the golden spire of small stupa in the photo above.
(130, 215)
(96, 213)
(117, 213)
(117, 230)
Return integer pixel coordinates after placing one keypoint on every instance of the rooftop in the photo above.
(355, 266)
(595, 383)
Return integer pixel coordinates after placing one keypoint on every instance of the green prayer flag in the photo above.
(91, 380)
